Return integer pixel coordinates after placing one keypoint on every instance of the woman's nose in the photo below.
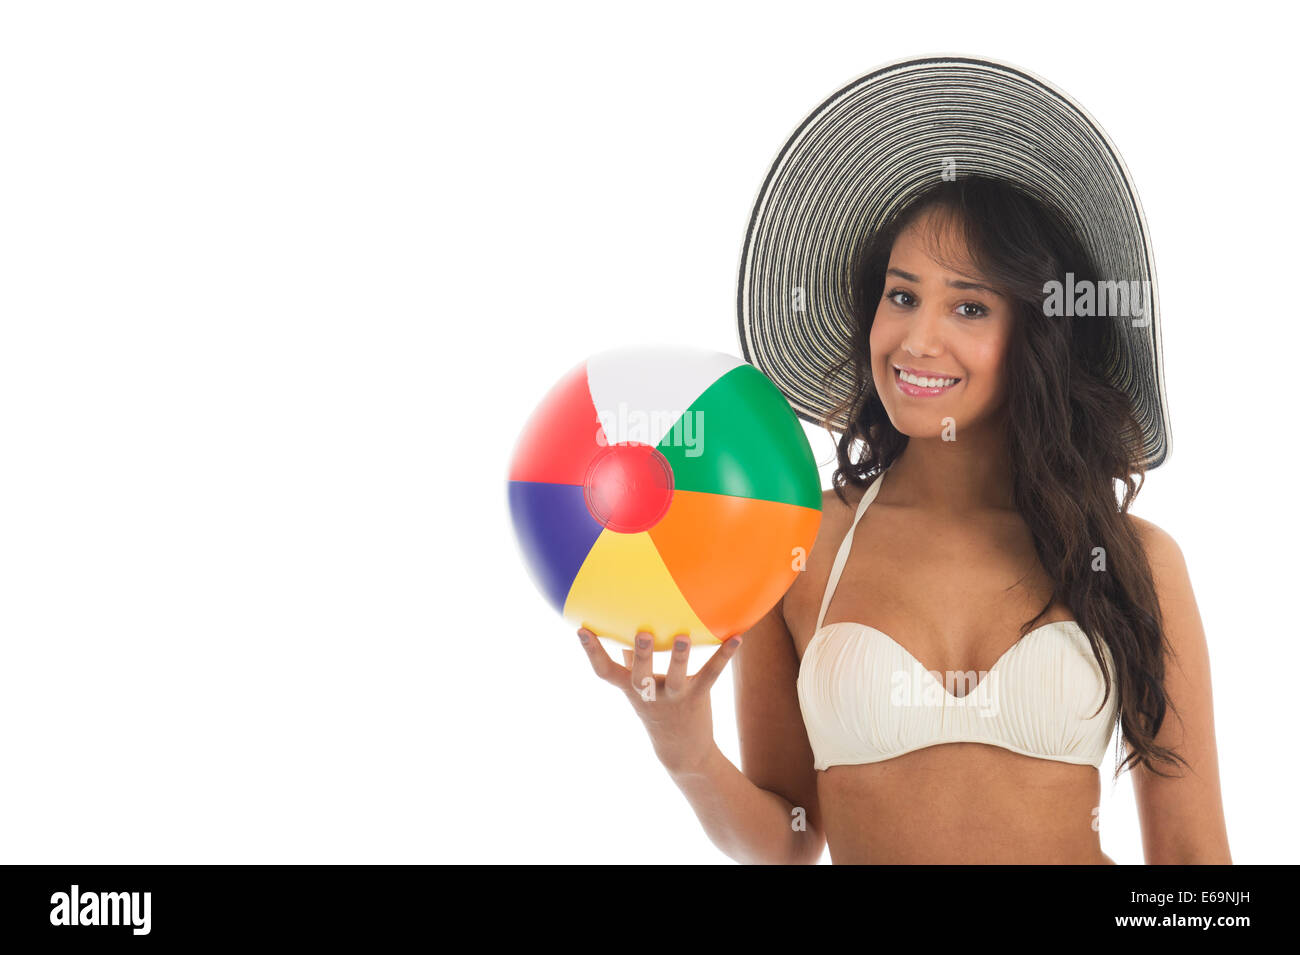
(924, 332)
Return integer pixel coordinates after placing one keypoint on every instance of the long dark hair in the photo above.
(1071, 433)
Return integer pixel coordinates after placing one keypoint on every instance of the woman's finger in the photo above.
(605, 667)
(643, 677)
(676, 679)
(713, 668)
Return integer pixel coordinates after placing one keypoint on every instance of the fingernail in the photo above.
(643, 642)
(582, 635)
(681, 644)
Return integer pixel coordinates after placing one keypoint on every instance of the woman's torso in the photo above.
(953, 591)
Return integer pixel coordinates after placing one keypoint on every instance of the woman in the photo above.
(978, 610)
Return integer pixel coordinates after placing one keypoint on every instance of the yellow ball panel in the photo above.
(602, 600)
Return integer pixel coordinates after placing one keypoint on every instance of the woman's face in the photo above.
(932, 323)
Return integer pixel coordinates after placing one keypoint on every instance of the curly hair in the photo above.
(1071, 432)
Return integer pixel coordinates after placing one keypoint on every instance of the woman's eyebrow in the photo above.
(973, 285)
(952, 283)
(901, 274)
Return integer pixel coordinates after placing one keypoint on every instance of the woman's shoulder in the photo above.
(1158, 543)
(831, 503)
(837, 512)
(837, 517)
(1169, 571)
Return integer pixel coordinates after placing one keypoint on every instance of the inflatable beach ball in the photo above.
(664, 490)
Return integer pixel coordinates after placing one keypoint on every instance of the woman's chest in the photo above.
(953, 593)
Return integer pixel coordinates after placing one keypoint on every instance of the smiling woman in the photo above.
(979, 611)
(996, 537)
(949, 293)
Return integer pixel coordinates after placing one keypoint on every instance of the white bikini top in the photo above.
(865, 698)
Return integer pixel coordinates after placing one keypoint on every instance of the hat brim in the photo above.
(873, 145)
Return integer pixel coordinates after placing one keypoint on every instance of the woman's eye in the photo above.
(905, 299)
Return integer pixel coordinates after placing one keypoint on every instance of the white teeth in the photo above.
(926, 382)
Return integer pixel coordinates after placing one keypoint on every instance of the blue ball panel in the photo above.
(555, 532)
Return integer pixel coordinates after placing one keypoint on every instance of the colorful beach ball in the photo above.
(664, 490)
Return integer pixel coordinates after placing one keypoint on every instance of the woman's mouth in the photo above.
(922, 384)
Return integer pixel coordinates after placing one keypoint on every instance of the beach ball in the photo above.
(666, 490)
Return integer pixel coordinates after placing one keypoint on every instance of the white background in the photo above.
(279, 284)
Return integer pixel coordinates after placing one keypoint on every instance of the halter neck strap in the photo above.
(842, 557)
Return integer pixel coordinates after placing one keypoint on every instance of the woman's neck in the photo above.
(968, 474)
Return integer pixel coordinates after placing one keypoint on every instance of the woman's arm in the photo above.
(748, 822)
(768, 813)
(1182, 816)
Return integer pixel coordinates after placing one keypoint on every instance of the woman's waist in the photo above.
(966, 800)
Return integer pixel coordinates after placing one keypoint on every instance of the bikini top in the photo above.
(865, 698)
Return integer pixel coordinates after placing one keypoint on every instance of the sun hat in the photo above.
(877, 142)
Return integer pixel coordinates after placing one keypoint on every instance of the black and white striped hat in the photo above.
(872, 146)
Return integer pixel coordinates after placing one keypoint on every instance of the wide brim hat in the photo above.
(877, 142)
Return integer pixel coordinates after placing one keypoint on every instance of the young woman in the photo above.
(979, 610)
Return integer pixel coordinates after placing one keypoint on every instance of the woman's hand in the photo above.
(674, 707)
